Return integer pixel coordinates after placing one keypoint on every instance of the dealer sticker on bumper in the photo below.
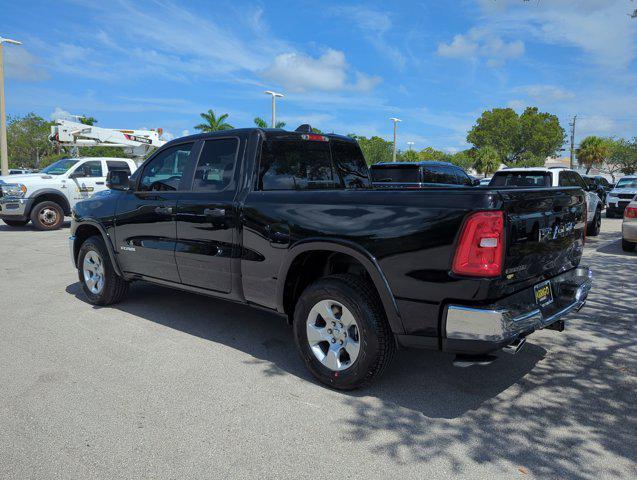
(543, 293)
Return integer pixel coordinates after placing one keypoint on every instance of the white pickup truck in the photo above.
(45, 198)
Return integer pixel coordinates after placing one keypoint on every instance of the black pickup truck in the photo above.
(289, 221)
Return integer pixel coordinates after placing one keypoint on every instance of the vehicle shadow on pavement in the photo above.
(556, 412)
(418, 379)
(27, 228)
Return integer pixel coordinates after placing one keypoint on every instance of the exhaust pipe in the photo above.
(515, 346)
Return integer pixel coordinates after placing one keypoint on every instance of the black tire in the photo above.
(627, 246)
(114, 287)
(16, 223)
(594, 227)
(377, 346)
(47, 216)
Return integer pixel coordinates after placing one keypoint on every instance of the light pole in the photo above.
(274, 95)
(395, 120)
(4, 157)
(411, 144)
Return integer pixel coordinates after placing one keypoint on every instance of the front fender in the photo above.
(76, 231)
(361, 255)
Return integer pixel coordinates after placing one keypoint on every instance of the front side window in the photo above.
(350, 164)
(295, 165)
(165, 170)
(462, 178)
(89, 169)
(59, 167)
(117, 165)
(216, 165)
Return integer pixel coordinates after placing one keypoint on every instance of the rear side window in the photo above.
(521, 179)
(216, 165)
(397, 174)
(350, 164)
(295, 165)
(115, 165)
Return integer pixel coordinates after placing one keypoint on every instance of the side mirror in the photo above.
(476, 182)
(118, 180)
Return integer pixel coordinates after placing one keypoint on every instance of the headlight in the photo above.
(14, 190)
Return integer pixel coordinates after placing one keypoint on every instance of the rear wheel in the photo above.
(593, 229)
(627, 246)
(100, 283)
(16, 223)
(47, 216)
(341, 332)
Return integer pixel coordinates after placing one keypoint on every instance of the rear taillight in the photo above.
(480, 251)
(630, 212)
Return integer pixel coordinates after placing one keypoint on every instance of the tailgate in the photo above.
(545, 231)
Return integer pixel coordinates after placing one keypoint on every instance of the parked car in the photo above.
(44, 198)
(485, 181)
(19, 171)
(601, 186)
(620, 196)
(418, 175)
(554, 177)
(629, 226)
(289, 221)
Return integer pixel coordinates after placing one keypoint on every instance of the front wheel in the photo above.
(596, 224)
(47, 216)
(99, 281)
(341, 332)
(627, 246)
(16, 223)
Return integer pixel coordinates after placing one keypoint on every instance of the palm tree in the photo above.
(593, 150)
(259, 122)
(487, 160)
(212, 123)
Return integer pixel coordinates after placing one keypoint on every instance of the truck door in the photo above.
(87, 178)
(207, 217)
(145, 228)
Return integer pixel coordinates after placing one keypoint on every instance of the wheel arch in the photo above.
(50, 195)
(87, 229)
(289, 287)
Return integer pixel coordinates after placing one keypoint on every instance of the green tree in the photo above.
(592, 151)
(430, 153)
(487, 160)
(407, 156)
(212, 123)
(259, 122)
(375, 149)
(622, 157)
(28, 140)
(518, 139)
(86, 120)
(463, 159)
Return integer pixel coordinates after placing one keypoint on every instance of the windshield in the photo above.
(627, 183)
(521, 179)
(59, 167)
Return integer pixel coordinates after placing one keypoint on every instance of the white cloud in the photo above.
(517, 105)
(60, 113)
(166, 135)
(330, 72)
(375, 26)
(185, 133)
(545, 93)
(20, 64)
(480, 43)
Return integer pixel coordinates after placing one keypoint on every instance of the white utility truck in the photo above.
(45, 198)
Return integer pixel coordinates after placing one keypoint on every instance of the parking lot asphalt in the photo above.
(169, 384)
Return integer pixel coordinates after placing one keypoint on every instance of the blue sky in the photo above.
(343, 66)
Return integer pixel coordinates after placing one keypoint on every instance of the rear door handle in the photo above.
(163, 210)
(99, 183)
(215, 212)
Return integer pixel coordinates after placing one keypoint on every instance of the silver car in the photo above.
(629, 227)
(620, 196)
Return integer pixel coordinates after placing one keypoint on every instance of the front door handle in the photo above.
(164, 210)
(99, 183)
(215, 212)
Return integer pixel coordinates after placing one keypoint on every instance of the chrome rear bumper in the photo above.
(469, 329)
